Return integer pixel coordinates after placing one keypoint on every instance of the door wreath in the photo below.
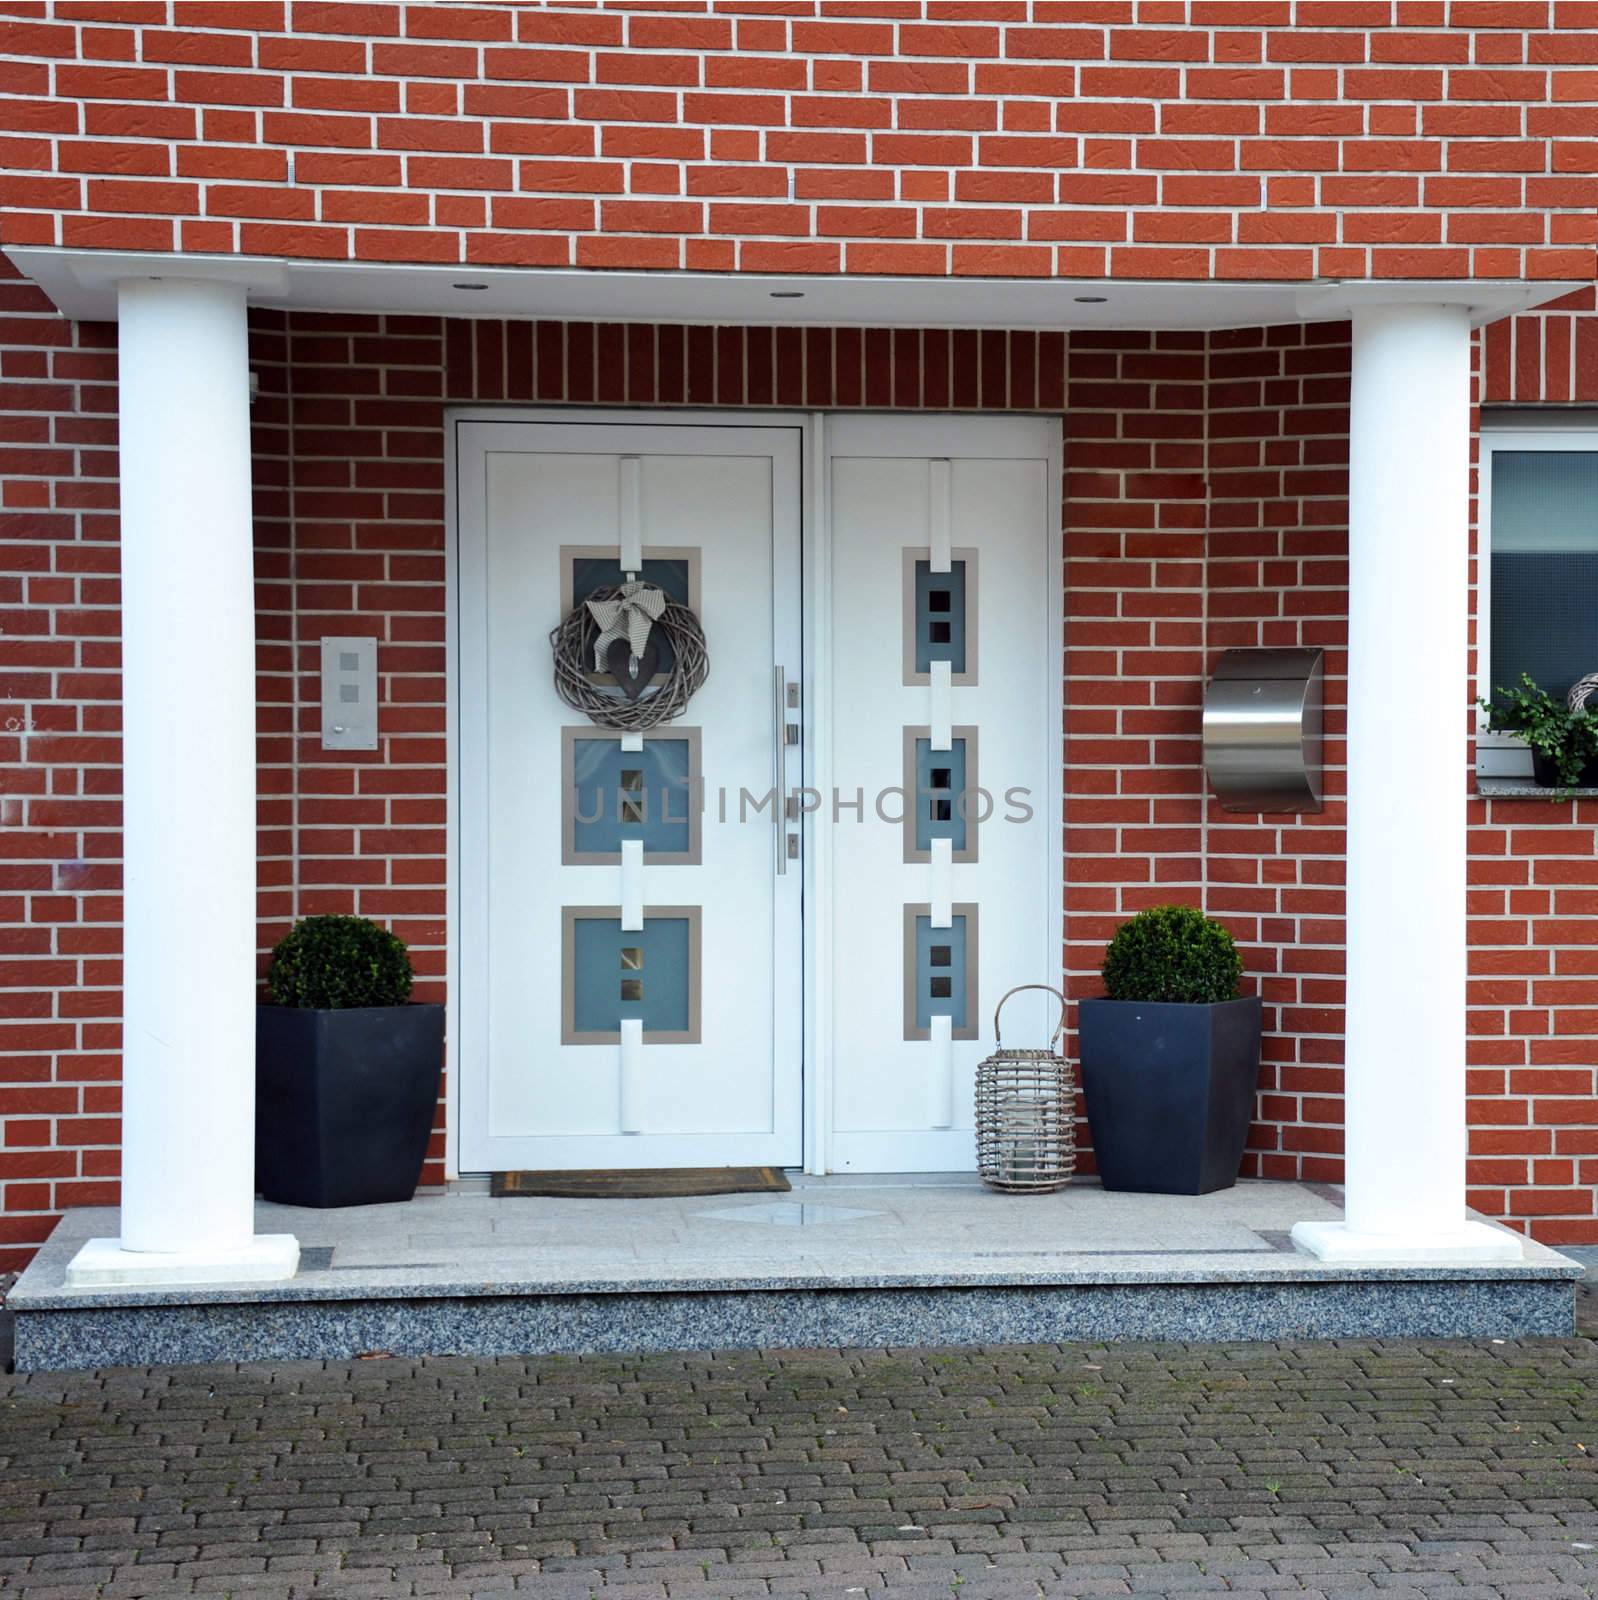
(607, 657)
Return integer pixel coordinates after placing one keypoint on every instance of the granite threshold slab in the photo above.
(839, 1261)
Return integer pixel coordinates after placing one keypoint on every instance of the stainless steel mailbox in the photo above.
(1262, 730)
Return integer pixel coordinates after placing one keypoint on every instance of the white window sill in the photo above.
(1526, 789)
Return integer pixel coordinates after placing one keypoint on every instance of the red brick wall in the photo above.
(1134, 632)
(60, 781)
(1534, 906)
(350, 536)
(1277, 575)
(1550, 355)
(1206, 509)
(1184, 139)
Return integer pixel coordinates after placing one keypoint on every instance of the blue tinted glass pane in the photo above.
(940, 957)
(940, 616)
(940, 783)
(598, 572)
(608, 807)
(1545, 619)
(653, 964)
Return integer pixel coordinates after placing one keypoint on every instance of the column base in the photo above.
(104, 1264)
(1468, 1245)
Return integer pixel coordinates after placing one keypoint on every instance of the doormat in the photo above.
(641, 1183)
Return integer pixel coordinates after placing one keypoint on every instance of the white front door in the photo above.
(630, 976)
(634, 986)
(945, 666)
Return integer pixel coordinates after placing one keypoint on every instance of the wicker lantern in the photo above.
(1026, 1112)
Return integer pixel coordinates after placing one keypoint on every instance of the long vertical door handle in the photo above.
(779, 735)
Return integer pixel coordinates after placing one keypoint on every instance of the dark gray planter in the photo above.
(1170, 1091)
(1546, 772)
(344, 1102)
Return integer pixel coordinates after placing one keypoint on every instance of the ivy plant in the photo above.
(1568, 739)
(334, 963)
(1172, 953)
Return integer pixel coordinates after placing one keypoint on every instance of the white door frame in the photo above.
(935, 433)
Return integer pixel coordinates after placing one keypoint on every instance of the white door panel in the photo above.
(900, 1102)
(534, 497)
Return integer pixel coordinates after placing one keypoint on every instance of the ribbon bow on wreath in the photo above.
(630, 616)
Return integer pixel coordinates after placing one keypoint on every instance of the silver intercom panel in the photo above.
(349, 694)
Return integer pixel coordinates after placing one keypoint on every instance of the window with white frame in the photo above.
(1537, 603)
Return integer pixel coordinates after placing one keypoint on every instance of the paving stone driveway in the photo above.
(1458, 1470)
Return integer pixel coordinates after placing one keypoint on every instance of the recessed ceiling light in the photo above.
(468, 286)
(787, 294)
(1091, 299)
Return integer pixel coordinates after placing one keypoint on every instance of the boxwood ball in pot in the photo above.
(1172, 953)
(347, 1071)
(1170, 1056)
(331, 963)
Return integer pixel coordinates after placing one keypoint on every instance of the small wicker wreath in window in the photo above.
(1026, 1112)
(1581, 691)
(601, 697)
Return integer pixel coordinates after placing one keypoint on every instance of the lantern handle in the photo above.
(1047, 989)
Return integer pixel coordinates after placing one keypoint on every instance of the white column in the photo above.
(188, 686)
(1408, 690)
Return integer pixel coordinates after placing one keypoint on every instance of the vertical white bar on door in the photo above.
(941, 678)
(940, 1068)
(940, 1072)
(632, 885)
(632, 1074)
(942, 896)
(938, 516)
(631, 517)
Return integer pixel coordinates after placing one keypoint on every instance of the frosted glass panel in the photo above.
(1545, 501)
(1544, 567)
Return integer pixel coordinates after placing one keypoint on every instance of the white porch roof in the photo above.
(82, 283)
